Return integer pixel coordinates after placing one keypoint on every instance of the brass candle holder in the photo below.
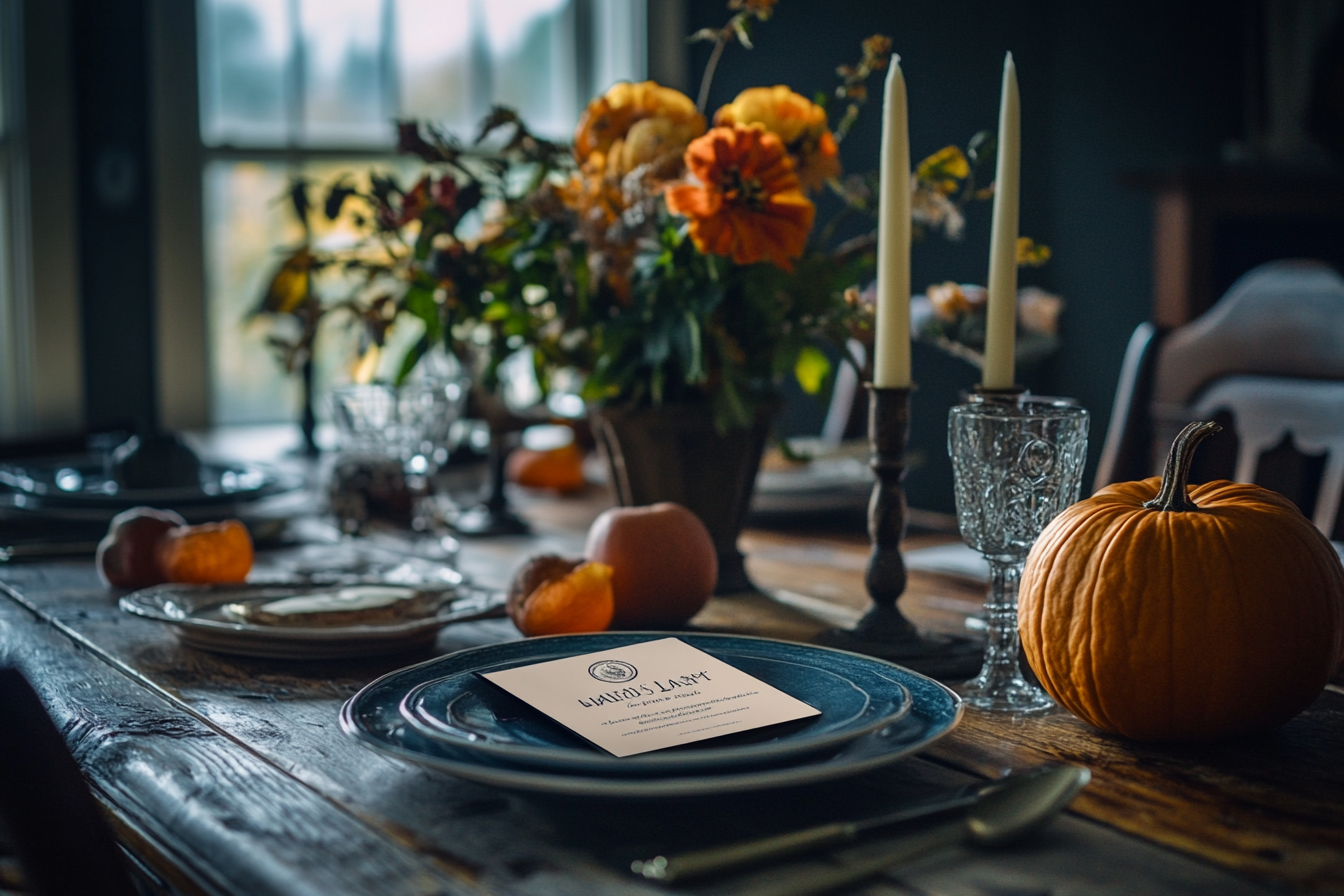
(884, 631)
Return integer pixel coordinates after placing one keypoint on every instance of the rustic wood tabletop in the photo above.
(230, 775)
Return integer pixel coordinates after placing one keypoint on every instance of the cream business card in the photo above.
(649, 696)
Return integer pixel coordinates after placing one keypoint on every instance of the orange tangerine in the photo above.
(210, 552)
(580, 601)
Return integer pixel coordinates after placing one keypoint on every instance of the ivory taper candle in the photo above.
(891, 364)
(1001, 314)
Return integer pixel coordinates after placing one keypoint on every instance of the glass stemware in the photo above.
(395, 439)
(1017, 462)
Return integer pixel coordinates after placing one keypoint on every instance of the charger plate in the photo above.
(197, 613)
(374, 717)
(477, 720)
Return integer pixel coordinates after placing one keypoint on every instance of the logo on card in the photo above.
(612, 670)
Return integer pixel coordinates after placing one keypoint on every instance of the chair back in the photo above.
(1268, 363)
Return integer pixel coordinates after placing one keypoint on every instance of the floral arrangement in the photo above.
(666, 257)
(951, 316)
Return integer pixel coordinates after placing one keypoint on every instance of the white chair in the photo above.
(1268, 360)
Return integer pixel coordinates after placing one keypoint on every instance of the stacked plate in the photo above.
(216, 617)
(82, 489)
(443, 714)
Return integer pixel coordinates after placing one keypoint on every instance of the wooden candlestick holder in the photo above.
(884, 631)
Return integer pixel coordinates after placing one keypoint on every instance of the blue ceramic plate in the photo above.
(373, 716)
(475, 719)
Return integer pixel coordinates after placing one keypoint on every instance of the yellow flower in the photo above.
(944, 170)
(629, 142)
(746, 203)
(612, 126)
(799, 123)
(1031, 254)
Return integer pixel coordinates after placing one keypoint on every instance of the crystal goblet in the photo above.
(1017, 462)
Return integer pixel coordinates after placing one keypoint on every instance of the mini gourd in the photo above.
(1167, 613)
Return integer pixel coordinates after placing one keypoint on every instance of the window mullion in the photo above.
(295, 98)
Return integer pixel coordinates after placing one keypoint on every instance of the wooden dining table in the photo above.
(225, 774)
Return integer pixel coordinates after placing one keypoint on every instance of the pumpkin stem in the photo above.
(1173, 495)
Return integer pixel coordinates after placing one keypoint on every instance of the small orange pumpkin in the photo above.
(560, 468)
(1163, 613)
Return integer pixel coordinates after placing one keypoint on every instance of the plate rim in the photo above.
(130, 603)
(556, 783)
(657, 760)
(277, 481)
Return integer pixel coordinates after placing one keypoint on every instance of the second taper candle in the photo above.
(891, 364)
(1001, 314)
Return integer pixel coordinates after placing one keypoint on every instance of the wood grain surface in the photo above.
(1271, 806)
(234, 768)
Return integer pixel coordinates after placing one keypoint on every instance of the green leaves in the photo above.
(419, 303)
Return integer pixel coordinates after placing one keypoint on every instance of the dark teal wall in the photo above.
(1106, 88)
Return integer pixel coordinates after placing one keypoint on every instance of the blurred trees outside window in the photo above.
(313, 88)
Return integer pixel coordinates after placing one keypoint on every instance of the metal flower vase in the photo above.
(674, 453)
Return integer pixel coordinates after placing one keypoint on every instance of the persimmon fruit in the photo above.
(663, 563)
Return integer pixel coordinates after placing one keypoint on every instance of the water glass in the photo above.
(412, 424)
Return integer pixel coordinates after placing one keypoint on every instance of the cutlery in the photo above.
(25, 550)
(999, 811)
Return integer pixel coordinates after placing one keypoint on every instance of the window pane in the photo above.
(248, 233)
(529, 44)
(333, 74)
(619, 28)
(434, 54)
(345, 89)
(244, 53)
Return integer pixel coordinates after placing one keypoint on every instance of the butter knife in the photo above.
(717, 859)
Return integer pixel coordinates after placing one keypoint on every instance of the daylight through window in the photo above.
(313, 87)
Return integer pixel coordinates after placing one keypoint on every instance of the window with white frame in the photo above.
(313, 87)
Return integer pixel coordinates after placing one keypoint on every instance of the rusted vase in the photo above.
(673, 453)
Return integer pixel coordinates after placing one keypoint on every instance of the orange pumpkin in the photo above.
(560, 468)
(1163, 613)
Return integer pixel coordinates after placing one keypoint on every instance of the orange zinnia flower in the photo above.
(798, 121)
(747, 204)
